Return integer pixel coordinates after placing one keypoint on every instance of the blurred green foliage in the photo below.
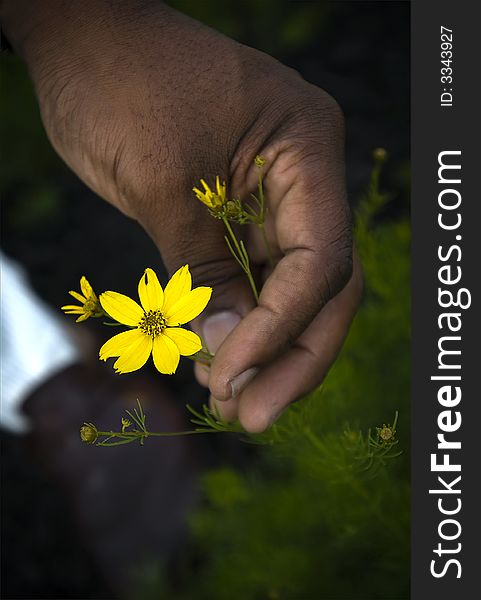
(30, 170)
(276, 27)
(313, 519)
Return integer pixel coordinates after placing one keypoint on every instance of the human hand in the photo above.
(141, 102)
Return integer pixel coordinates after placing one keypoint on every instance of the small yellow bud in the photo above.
(125, 424)
(89, 433)
(386, 433)
(380, 155)
(259, 161)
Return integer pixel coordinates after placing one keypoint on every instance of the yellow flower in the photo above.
(90, 305)
(155, 326)
(259, 161)
(214, 200)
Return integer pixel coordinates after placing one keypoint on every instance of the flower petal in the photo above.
(150, 291)
(118, 343)
(186, 341)
(202, 197)
(166, 355)
(121, 308)
(179, 285)
(72, 307)
(188, 307)
(78, 297)
(85, 286)
(221, 187)
(83, 317)
(135, 356)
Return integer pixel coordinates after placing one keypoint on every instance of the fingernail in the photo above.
(217, 327)
(241, 381)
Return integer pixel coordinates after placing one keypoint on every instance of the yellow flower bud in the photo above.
(214, 199)
(386, 433)
(379, 155)
(89, 433)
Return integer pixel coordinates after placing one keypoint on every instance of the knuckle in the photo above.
(357, 279)
(339, 274)
(335, 262)
(254, 421)
(320, 114)
(334, 110)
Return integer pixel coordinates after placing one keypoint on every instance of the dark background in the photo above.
(58, 230)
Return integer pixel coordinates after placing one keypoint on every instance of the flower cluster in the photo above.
(234, 209)
(244, 213)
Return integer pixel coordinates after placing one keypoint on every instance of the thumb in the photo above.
(214, 329)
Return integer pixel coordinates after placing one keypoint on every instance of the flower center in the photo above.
(386, 433)
(152, 323)
(90, 306)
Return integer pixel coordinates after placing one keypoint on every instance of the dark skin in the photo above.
(141, 102)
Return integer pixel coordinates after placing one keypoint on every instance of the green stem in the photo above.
(262, 219)
(190, 432)
(203, 356)
(262, 200)
(242, 258)
(207, 360)
(134, 435)
(232, 235)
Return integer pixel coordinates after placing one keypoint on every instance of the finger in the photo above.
(215, 330)
(227, 409)
(304, 366)
(313, 229)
